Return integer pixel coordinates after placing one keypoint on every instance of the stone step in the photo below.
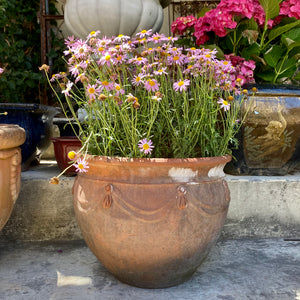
(261, 207)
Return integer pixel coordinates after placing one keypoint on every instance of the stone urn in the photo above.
(113, 17)
(270, 135)
(151, 222)
(11, 137)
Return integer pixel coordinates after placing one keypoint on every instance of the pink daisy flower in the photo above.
(144, 33)
(181, 85)
(93, 90)
(68, 88)
(137, 80)
(119, 90)
(224, 104)
(81, 165)
(146, 146)
(152, 85)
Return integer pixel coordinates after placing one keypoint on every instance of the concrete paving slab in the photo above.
(252, 269)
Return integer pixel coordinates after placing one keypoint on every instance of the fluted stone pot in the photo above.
(11, 137)
(112, 17)
(151, 222)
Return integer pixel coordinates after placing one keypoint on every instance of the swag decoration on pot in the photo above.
(263, 37)
(150, 195)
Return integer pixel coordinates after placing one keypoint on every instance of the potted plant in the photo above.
(150, 195)
(262, 40)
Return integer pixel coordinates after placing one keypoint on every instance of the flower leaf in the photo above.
(271, 8)
(287, 69)
(273, 55)
(274, 33)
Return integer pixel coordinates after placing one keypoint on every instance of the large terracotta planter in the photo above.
(270, 136)
(11, 137)
(151, 222)
(112, 17)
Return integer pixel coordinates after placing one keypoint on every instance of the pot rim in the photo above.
(162, 161)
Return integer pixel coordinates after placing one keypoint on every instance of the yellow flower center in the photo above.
(91, 90)
(71, 155)
(181, 83)
(107, 57)
(80, 166)
(225, 102)
(176, 58)
(118, 88)
(225, 62)
(92, 32)
(151, 82)
(144, 31)
(145, 146)
(105, 82)
(120, 35)
(138, 78)
(208, 56)
(100, 49)
(139, 58)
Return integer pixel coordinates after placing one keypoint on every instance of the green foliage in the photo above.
(20, 51)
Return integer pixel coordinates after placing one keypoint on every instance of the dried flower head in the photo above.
(44, 67)
(54, 180)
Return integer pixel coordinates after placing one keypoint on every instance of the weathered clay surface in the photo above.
(11, 136)
(151, 222)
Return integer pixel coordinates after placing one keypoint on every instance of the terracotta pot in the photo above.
(62, 146)
(112, 17)
(151, 222)
(11, 137)
(270, 136)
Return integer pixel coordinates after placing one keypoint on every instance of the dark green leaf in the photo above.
(278, 31)
(273, 55)
(271, 8)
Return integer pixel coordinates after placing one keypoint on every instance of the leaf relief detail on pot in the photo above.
(15, 169)
(15, 175)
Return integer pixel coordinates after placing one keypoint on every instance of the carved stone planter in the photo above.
(151, 222)
(11, 137)
(113, 17)
(270, 135)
